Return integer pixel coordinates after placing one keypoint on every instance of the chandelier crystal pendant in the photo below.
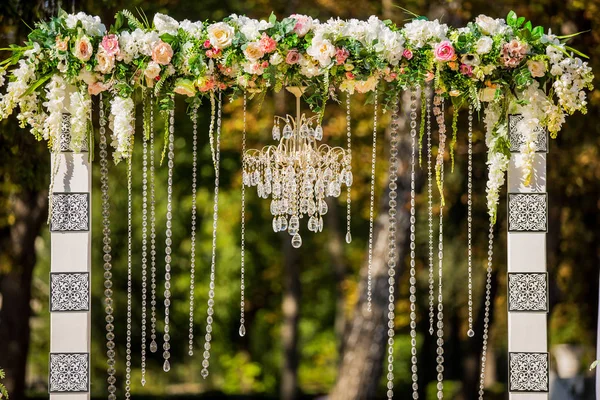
(298, 173)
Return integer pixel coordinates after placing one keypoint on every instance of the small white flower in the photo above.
(165, 24)
(420, 32)
(55, 94)
(275, 59)
(81, 107)
(91, 24)
(491, 26)
(122, 121)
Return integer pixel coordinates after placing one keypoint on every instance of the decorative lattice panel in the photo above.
(69, 372)
(70, 212)
(528, 292)
(528, 372)
(69, 291)
(516, 138)
(527, 212)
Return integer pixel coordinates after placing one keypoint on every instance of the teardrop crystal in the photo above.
(167, 366)
(242, 330)
(319, 132)
(348, 237)
(153, 346)
(471, 333)
(296, 241)
(143, 382)
(287, 131)
(204, 373)
(276, 132)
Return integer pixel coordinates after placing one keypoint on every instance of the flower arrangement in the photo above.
(506, 63)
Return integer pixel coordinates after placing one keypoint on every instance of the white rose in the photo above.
(253, 51)
(220, 35)
(537, 68)
(489, 25)
(276, 59)
(165, 24)
(106, 63)
(484, 45)
(321, 50)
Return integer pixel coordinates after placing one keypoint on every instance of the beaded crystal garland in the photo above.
(298, 173)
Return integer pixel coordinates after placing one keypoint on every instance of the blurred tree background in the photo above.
(300, 304)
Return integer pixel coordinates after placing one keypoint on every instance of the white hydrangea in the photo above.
(194, 29)
(55, 93)
(122, 121)
(81, 108)
(91, 24)
(251, 28)
(136, 43)
(165, 24)
(421, 32)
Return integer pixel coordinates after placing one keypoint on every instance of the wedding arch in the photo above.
(520, 78)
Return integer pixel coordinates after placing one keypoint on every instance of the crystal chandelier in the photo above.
(298, 173)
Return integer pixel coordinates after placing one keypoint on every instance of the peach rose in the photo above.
(62, 44)
(254, 51)
(83, 49)
(537, 68)
(162, 53)
(97, 87)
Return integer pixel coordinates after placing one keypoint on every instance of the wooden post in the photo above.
(528, 357)
(70, 271)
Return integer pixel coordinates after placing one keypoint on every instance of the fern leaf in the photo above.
(133, 21)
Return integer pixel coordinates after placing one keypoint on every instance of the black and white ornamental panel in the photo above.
(69, 291)
(516, 138)
(527, 212)
(69, 373)
(70, 212)
(65, 136)
(528, 372)
(528, 292)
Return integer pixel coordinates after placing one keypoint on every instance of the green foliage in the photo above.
(3, 391)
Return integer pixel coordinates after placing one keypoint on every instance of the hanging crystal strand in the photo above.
(193, 229)
(169, 240)
(144, 238)
(211, 291)
(393, 186)
(242, 330)
(129, 269)
(440, 315)
(486, 318)
(470, 332)
(413, 278)
(108, 301)
(371, 205)
(349, 171)
(153, 346)
(430, 214)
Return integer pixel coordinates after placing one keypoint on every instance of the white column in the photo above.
(70, 272)
(529, 362)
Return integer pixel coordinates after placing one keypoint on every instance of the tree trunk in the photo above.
(18, 261)
(362, 361)
(337, 259)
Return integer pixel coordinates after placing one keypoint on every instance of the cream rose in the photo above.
(83, 48)
(220, 35)
(537, 68)
(162, 53)
(106, 63)
(253, 51)
(321, 50)
(152, 70)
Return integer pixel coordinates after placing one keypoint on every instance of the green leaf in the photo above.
(580, 54)
(594, 365)
(537, 32)
(511, 18)
(118, 21)
(528, 25)
(520, 21)
(37, 84)
(272, 18)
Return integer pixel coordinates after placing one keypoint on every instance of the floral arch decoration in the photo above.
(496, 66)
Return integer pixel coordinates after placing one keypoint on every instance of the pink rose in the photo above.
(444, 51)
(303, 24)
(267, 44)
(293, 57)
(110, 44)
(407, 54)
(466, 69)
(162, 53)
(341, 54)
(97, 87)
